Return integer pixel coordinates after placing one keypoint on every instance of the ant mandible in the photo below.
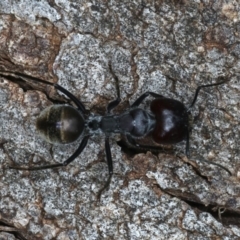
(167, 122)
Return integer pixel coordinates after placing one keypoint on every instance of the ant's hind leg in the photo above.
(65, 163)
(79, 104)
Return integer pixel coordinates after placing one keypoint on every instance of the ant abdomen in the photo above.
(171, 121)
(60, 124)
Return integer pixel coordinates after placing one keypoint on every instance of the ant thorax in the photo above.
(135, 122)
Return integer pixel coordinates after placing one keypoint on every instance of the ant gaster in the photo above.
(167, 122)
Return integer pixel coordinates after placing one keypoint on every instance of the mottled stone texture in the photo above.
(169, 47)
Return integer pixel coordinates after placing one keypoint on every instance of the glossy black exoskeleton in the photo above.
(167, 122)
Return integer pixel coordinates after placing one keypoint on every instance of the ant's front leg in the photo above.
(143, 96)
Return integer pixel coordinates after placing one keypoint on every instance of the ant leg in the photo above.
(110, 107)
(203, 86)
(110, 168)
(132, 143)
(73, 98)
(65, 163)
(143, 96)
(187, 144)
(115, 102)
(55, 85)
(67, 93)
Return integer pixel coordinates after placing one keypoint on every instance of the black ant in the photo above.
(167, 122)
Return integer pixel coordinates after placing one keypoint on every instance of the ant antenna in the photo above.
(203, 86)
(216, 164)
